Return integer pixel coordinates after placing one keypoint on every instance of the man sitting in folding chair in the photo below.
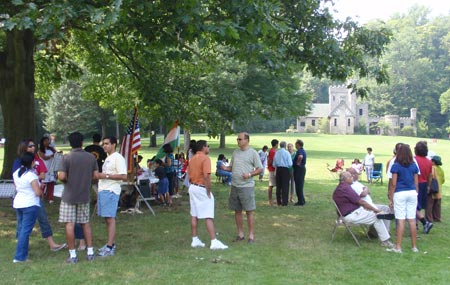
(357, 211)
(364, 193)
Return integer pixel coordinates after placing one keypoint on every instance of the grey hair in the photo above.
(283, 144)
(344, 175)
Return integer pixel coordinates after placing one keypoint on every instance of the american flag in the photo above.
(132, 141)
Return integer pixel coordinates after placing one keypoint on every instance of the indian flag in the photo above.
(172, 138)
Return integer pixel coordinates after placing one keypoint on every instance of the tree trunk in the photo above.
(104, 120)
(222, 140)
(17, 93)
(187, 140)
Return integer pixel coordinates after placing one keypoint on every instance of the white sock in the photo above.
(73, 253)
(90, 250)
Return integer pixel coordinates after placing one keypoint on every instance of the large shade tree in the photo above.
(278, 35)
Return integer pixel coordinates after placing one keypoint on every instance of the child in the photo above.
(163, 184)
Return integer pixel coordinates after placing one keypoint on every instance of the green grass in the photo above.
(293, 243)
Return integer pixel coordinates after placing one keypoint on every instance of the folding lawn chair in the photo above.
(341, 223)
(337, 169)
(377, 173)
(145, 193)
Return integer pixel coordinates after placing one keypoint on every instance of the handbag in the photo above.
(434, 187)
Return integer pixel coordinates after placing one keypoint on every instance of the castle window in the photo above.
(348, 122)
(313, 123)
(360, 112)
(334, 98)
(402, 125)
(302, 124)
(335, 122)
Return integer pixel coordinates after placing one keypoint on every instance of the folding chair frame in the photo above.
(340, 222)
(377, 173)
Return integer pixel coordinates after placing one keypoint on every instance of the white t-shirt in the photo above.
(25, 196)
(369, 159)
(389, 173)
(358, 187)
(114, 164)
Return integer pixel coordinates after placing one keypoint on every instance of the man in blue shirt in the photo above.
(282, 161)
(299, 162)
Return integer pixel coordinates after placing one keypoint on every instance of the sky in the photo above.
(383, 9)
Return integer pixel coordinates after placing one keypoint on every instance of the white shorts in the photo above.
(202, 206)
(272, 178)
(405, 204)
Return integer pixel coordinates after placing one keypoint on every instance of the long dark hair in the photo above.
(23, 146)
(26, 161)
(42, 147)
(404, 155)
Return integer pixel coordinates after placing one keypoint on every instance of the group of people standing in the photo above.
(409, 192)
(78, 170)
(287, 170)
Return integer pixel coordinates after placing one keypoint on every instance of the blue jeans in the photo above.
(44, 225)
(226, 174)
(26, 217)
(46, 229)
(79, 231)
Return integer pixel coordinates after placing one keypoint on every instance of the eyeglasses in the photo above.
(31, 145)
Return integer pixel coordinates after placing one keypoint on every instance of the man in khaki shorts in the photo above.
(245, 164)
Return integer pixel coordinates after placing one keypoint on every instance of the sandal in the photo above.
(58, 247)
(238, 238)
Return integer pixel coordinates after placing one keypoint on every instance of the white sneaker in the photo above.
(393, 249)
(217, 244)
(414, 249)
(196, 242)
(387, 243)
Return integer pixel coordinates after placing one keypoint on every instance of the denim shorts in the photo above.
(107, 204)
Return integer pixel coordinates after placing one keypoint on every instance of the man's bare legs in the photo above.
(250, 223)
(111, 230)
(238, 218)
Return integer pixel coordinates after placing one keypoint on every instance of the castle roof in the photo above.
(319, 110)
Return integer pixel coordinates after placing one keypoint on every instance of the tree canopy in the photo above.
(167, 52)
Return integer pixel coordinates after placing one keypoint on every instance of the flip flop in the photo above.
(58, 248)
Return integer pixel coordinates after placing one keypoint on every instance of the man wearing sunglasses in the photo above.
(245, 164)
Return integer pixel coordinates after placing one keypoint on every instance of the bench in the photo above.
(7, 189)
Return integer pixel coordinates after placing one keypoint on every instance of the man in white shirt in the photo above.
(364, 193)
(114, 171)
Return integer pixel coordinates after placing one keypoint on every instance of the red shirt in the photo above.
(425, 167)
(39, 165)
(270, 157)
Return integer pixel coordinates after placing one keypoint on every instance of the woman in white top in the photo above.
(47, 153)
(26, 204)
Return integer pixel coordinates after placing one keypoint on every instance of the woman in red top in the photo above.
(425, 167)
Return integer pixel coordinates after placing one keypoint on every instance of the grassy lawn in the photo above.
(293, 244)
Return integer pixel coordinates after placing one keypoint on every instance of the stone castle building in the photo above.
(343, 113)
